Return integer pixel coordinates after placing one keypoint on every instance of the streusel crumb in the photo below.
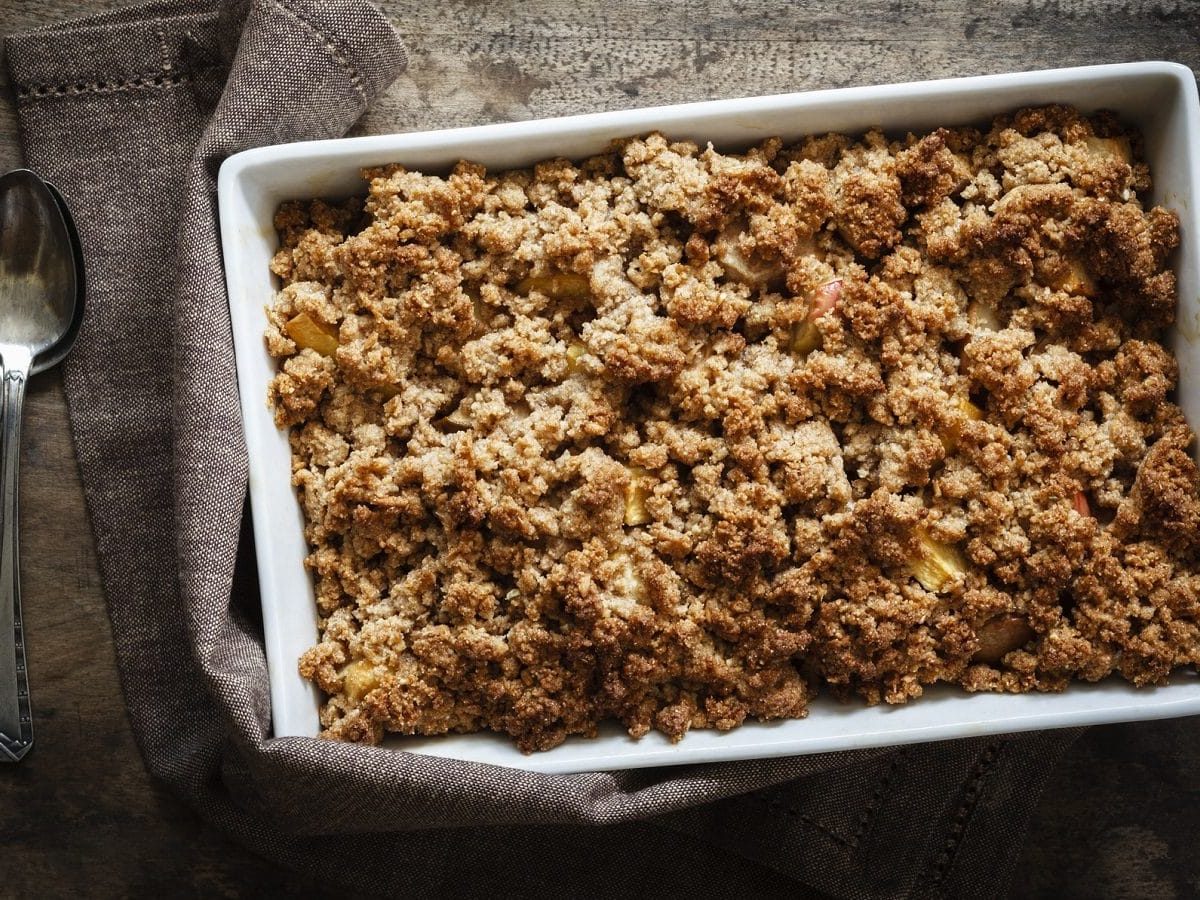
(679, 437)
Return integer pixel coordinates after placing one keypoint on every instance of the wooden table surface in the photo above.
(1121, 817)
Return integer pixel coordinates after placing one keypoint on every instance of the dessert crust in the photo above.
(678, 437)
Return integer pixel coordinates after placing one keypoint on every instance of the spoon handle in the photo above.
(16, 721)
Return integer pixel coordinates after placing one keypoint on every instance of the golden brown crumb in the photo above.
(679, 437)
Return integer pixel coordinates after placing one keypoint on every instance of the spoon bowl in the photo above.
(40, 277)
(37, 265)
(50, 358)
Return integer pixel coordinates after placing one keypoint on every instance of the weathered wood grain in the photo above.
(80, 816)
(479, 62)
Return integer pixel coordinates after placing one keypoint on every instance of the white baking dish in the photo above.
(1160, 98)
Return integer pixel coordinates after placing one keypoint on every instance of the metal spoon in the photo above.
(38, 286)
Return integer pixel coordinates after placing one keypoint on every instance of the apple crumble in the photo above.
(678, 437)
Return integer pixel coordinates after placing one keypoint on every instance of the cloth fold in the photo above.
(131, 113)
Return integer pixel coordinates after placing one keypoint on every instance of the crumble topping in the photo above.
(678, 437)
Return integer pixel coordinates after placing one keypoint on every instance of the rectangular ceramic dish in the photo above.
(1159, 98)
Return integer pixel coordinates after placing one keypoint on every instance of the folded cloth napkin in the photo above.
(130, 114)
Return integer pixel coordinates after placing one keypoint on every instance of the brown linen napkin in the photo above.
(131, 114)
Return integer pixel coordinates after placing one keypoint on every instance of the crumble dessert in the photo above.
(677, 437)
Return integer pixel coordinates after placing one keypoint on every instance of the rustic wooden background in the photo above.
(1121, 817)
